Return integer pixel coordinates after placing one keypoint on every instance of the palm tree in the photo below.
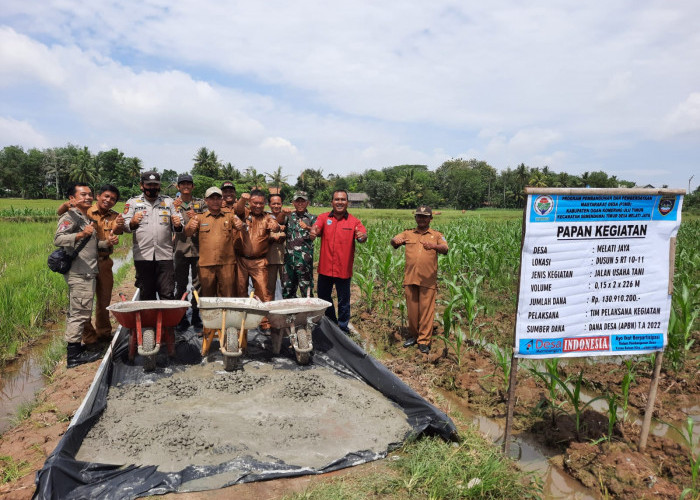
(83, 170)
(276, 178)
(537, 179)
(254, 179)
(206, 163)
(230, 173)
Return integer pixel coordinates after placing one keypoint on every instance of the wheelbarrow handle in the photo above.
(184, 295)
(122, 296)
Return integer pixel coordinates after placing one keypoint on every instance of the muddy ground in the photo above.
(612, 468)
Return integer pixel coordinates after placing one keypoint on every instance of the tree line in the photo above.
(457, 183)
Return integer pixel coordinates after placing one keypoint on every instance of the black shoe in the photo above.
(410, 342)
(77, 355)
(424, 348)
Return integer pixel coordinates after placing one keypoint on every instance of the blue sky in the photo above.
(347, 86)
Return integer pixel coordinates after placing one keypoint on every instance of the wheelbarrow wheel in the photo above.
(231, 362)
(303, 358)
(148, 338)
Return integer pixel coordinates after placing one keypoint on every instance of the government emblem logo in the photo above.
(543, 205)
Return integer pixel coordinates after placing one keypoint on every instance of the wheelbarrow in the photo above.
(229, 316)
(299, 316)
(150, 323)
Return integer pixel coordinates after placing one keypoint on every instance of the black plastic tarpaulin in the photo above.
(64, 477)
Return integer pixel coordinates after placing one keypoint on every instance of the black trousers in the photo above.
(155, 276)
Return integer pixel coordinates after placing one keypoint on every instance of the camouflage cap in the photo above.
(423, 210)
(301, 194)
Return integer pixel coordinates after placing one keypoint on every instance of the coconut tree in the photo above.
(83, 169)
(276, 178)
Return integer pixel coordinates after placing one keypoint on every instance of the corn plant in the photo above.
(550, 378)
(573, 396)
(365, 282)
(611, 398)
(627, 381)
(456, 342)
(684, 313)
(503, 361)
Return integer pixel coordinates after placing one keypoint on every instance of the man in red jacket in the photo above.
(338, 231)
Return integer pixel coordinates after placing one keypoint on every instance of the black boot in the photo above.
(77, 355)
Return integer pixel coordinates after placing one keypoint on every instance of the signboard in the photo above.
(594, 277)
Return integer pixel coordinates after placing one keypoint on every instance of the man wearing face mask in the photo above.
(153, 219)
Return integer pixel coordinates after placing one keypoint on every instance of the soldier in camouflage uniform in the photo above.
(299, 250)
(186, 254)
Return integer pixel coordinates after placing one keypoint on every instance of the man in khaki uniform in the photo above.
(275, 254)
(420, 276)
(107, 223)
(186, 252)
(254, 243)
(217, 231)
(73, 228)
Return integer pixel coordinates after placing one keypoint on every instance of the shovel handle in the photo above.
(196, 296)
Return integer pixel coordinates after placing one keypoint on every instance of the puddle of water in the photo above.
(20, 381)
(531, 456)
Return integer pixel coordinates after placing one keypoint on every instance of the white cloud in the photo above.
(19, 132)
(685, 119)
(362, 84)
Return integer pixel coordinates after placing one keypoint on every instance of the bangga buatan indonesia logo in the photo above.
(543, 205)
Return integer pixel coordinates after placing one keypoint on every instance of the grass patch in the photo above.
(24, 411)
(11, 469)
(53, 354)
(432, 468)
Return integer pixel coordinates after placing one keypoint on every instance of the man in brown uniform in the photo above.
(420, 276)
(275, 254)
(228, 191)
(216, 230)
(255, 241)
(107, 223)
(186, 248)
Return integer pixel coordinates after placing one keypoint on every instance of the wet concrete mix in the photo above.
(207, 416)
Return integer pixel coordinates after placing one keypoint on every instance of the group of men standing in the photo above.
(223, 243)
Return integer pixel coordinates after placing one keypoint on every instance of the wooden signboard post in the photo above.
(596, 277)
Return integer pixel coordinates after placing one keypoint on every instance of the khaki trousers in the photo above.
(103, 293)
(81, 291)
(218, 281)
(420, 306)
(256, 269)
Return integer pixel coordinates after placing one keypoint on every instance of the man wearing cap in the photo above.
(299, 250)
(187, 248)
(216, 231)
(338, 231)
(228, 192)
(275, 252)
(420, 276)
(153, 219)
